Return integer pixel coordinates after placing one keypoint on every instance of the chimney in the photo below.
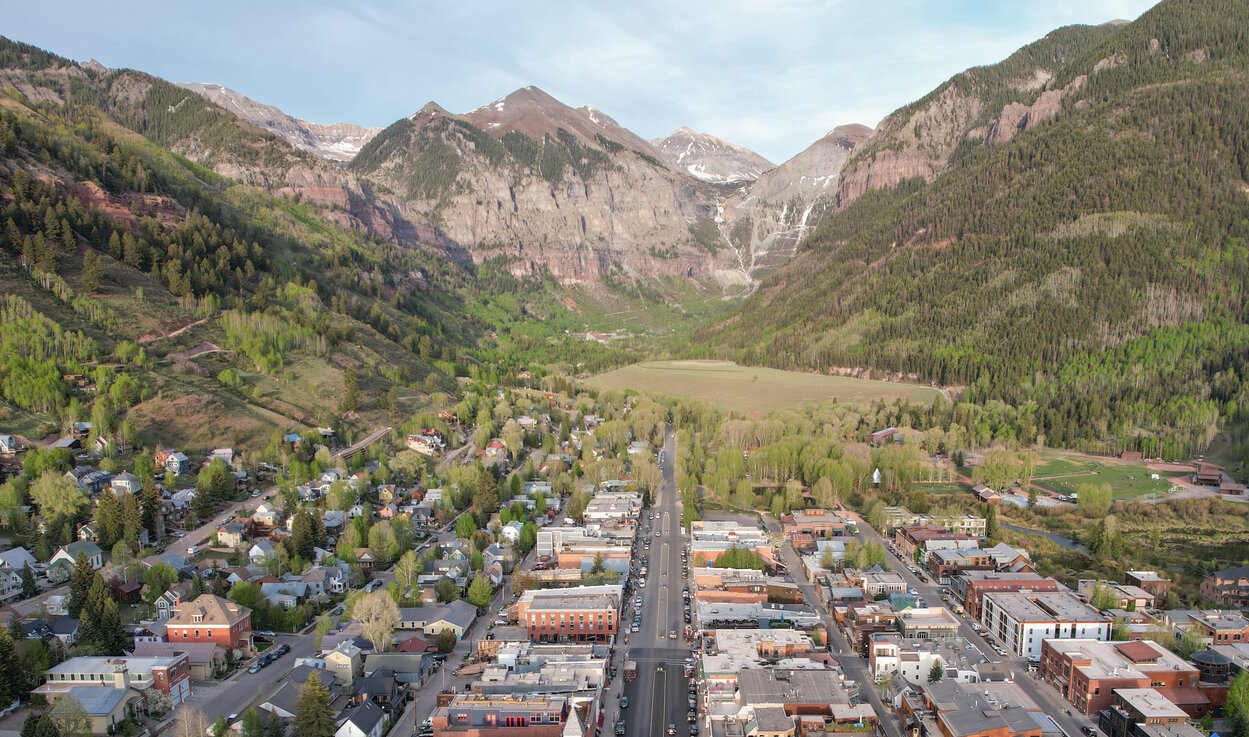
(121, 676)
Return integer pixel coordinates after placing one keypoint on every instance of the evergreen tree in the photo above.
(14, 628)
(92, 271)
(80, 584)
(301, 536)
(313, 717)
(274, 727)
(935, 672)
(29, 587)
(132, 521)
(10, 689)
(150, 506)
(111, 634)
(253, 725)
(108, 520)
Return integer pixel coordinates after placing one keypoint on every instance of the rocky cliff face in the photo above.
(710, 159)
(766, 219)
(919, 140)
(554, 188)
(336, 142)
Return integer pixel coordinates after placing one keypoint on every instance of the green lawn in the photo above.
(752, 391)
(943, 487)
(1060, 465)
(1128, 480)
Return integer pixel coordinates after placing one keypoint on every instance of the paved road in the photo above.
(658, 696)
(241, 690)
(1046, 696)
(854, 667)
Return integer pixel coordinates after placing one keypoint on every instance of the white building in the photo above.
(1022, 620)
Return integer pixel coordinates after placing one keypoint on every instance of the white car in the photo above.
(192, 550)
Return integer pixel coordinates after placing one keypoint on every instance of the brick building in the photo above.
(574, 618)
(171, 675)
(1087, 672)
(470, 715)
(1227, 587)
(1150, 581)
(211, 618)
(971, 586)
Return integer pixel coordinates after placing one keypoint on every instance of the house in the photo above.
(172, 460)
(65, 629)
(69, 553)
(457, 616)
(109, 706)
(126, 482)
(416, 644)
(344, 661)
(260, 552)
(87, 533)
(8, 445)
(386, 493)
(10, 583)
(267, 515)
(388, 512)
(498, 554)
(210, 618)
(364, 557)
(89, 479)
(232, 535)
(1227, 587)
(17, 557)
(172, 597)
(511, 532)
(379, 687)
(366, 720)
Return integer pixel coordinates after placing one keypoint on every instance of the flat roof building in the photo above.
(1022, 621)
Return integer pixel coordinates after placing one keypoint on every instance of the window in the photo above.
(461, 718)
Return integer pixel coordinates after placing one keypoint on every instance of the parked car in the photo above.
(624, 702)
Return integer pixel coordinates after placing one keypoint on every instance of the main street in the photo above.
(658, 696)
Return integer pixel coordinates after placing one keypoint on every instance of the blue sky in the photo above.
(772, 75)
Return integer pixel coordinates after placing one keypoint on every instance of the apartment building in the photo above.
(1023, 621)
(210, 618)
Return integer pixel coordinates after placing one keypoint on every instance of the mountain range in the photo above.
(1063, 232)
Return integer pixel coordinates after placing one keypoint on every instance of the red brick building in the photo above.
(573, 618)
(1087, 672)
(975, 587)
(470, 715)
(211, 619)
(1150, 581)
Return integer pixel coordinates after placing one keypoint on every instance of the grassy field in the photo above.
(1128, 480)
(752, 391)
(1061, 465)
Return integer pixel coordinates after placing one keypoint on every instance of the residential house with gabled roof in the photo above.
(260, 552)
(232, 535)
(267, 515)
(173, 597)
(366, 720)
(70, 553)
(10, 583)
(126, 482)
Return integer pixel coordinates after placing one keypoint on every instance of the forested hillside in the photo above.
(202, 310)
(1090, 270)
